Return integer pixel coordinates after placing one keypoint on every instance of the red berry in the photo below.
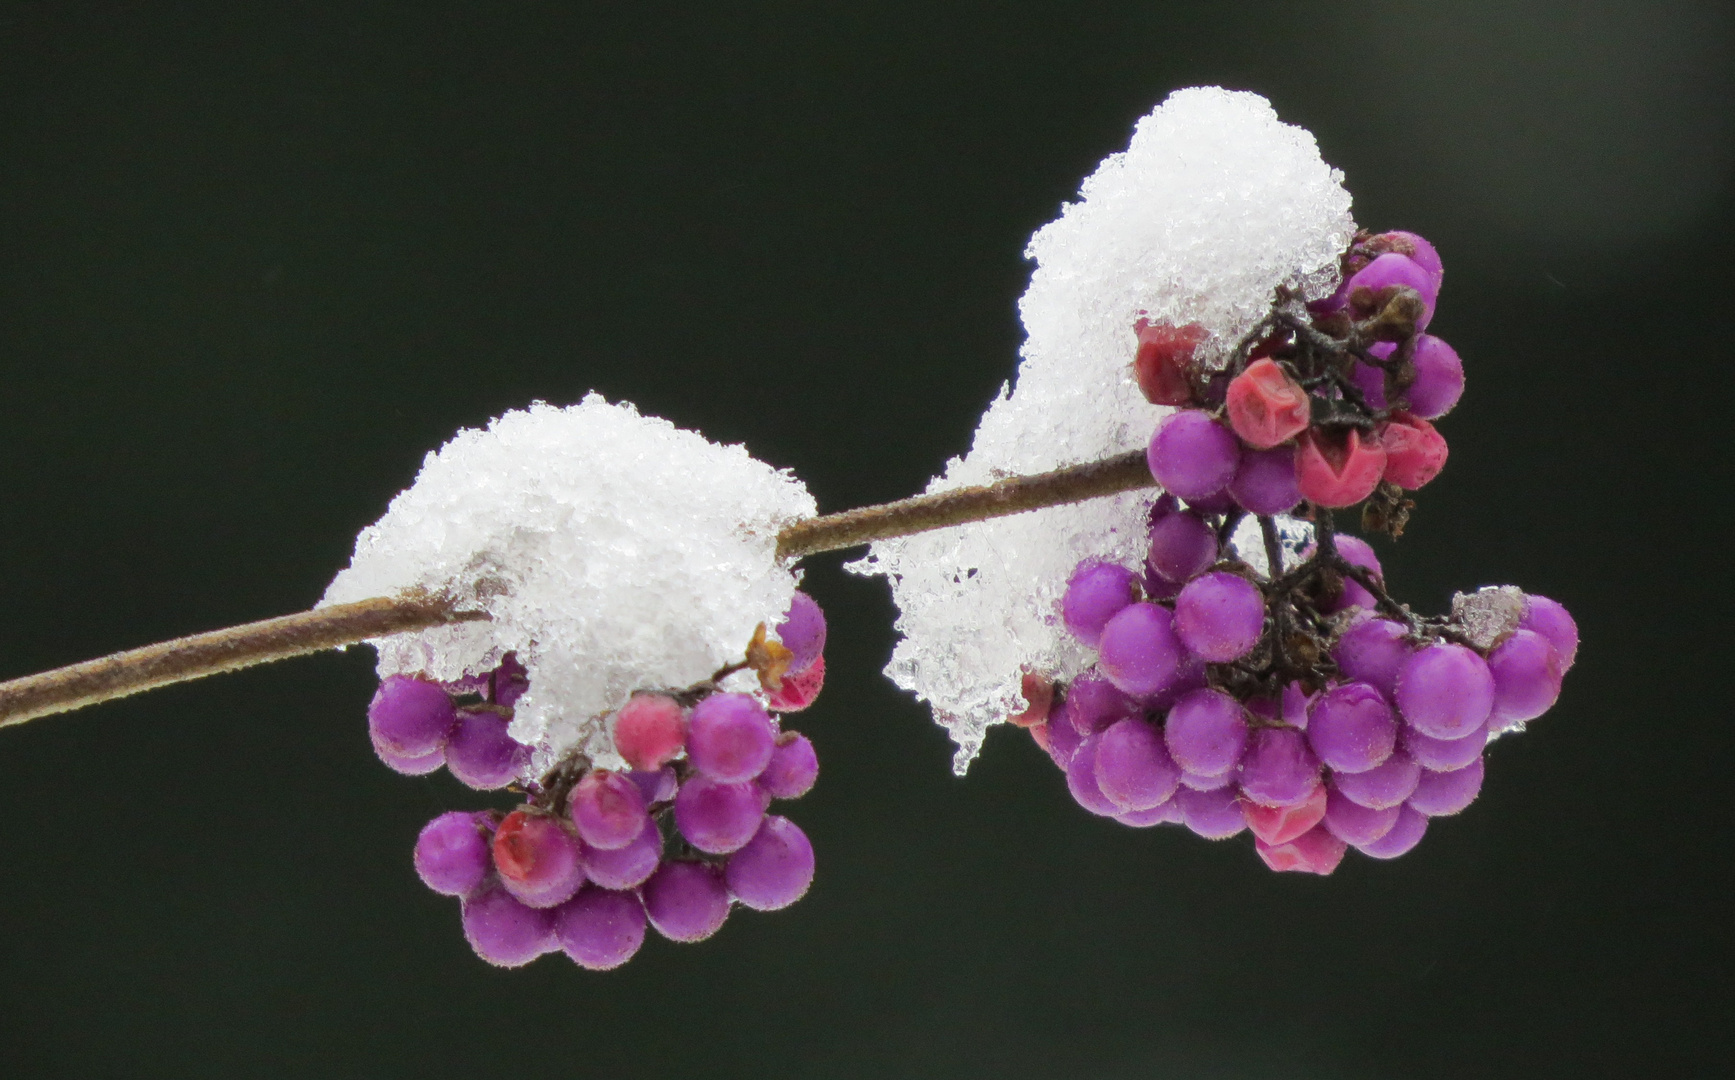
(1266, 406)
(649, 731)
(1164, 361)
(1314, 852)
(1039, 696)
(1415, 452)
(1281, 824)
(1337, 468)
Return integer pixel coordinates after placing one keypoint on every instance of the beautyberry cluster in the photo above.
(675, 840)
(1301, 702)
(1328, 408)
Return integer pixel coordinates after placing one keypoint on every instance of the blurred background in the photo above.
(257, 259)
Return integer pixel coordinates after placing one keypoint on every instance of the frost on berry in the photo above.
(1213, 205)
(613, 552)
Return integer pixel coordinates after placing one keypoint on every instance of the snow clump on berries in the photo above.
(1213, 205)
(613, 552)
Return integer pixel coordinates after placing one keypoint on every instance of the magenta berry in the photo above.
(730, 738)
(802, 632)
(608, 809)
(452, 852)
(1206, 733)
(793, 769)
(504, 931)
(1193, 456)
(409, 718)
(1351, 728)
(482, 755)
(1220, 617)
(600, 929)
(1096, 593)
(539, 861)
(1445, 690)
(774, 869)
(686, 901)
(716, 817)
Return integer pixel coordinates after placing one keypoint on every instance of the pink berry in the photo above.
(799, 689)
(1266, 406)
(1338, 468)
(1281, 824)
(1313, 852)
(1415, 452)
(649, 731)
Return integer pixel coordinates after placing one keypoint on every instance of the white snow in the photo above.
(612, 551)
(1213, 205)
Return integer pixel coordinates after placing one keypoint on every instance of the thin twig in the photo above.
(852, 528)
(184, 659)
(169, 662)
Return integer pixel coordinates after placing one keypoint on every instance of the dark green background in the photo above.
(257, 259)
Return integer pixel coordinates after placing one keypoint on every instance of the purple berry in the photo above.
(1081, 780)
(1093, 703)
(627, 867)
(716, 817)
(1439, 378)
(1163, 813)
(1372, 651)
(656, 787)
(1440, 794)
(540, 863)
(774, 869)
(1265, 481)
(1445, 690)
(1386, 784)
(1551, 619)
(600, 929)
(452, 852)
(1132, 766)
(1351, 728)
(410, 717)
(1444, 755)
(504, 931)
(1139, 650)
(1356, 824)
(609, 809)
(793, 768)
(418, 765)
(508, 682)
(1197, 782)
(1404, 834)
(1215, 815)
(1096, 593)
(480, 753)
(802, 631)
(686, 901)
(1526, 670)
(1220, 616)
(1182, 547)
(1394, 269)
(1062, 739)
(1193, 456)
(1418, 249)
(1278, 769)
(1206, 733)
(730, 738)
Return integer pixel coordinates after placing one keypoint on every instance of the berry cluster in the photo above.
(594, 854)
(1300, 702)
